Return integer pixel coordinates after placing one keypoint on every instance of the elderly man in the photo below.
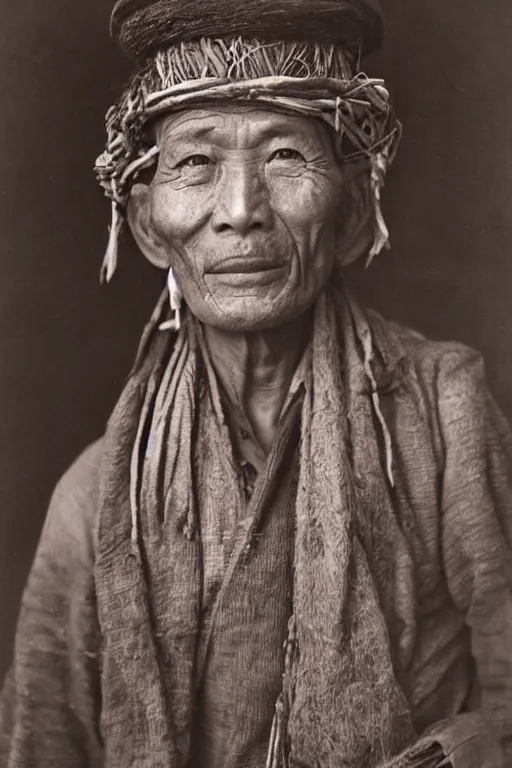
(292, 545)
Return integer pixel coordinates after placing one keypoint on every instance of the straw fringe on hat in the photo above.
(141, 27)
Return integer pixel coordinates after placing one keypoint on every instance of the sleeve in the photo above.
(477, 556)
(50, 701)
(476, 544)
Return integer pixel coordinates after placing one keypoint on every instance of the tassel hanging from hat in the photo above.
(366, 339)
(381, 240)
(175, 299)
(110, 260)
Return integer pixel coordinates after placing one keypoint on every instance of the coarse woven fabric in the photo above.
(247, 596)
(148, 564)
(445, 589)
(141, 27)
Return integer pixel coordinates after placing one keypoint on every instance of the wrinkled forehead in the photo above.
(240, 125)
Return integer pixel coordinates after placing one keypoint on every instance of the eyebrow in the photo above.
(283, 131)
(186, 132)
(280, 131)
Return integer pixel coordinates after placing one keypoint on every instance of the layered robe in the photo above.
(445, 593)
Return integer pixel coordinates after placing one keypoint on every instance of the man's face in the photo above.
(247, 203)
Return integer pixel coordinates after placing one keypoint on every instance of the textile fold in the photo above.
(403, 583)
(340, 662)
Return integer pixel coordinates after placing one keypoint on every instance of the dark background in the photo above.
(66, 345)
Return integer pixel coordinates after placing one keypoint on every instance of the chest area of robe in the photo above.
(247, 601)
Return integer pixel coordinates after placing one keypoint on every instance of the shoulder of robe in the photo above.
(74, 504)
(439, 366)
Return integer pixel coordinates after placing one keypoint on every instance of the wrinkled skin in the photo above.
(249, 207)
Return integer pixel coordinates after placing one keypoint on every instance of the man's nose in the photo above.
(242, 202)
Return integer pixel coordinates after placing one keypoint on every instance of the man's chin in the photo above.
(247, 313)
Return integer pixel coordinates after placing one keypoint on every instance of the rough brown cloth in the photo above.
(444, 591)
(247, 602)
(149, 595)
(141, 27)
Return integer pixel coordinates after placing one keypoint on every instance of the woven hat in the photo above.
(141, 27)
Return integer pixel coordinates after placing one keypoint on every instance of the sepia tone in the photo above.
(67, 346)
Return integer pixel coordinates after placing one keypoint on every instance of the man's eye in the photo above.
(286, 154)
(194, 161)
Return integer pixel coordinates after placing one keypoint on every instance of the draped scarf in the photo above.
(341, 705)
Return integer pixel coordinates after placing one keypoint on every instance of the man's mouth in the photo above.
(246, 265)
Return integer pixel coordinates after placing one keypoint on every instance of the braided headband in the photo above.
(302, 79)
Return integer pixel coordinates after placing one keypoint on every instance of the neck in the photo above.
(256, 368)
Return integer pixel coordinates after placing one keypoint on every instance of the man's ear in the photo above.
(139, 220)
(358, 233)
